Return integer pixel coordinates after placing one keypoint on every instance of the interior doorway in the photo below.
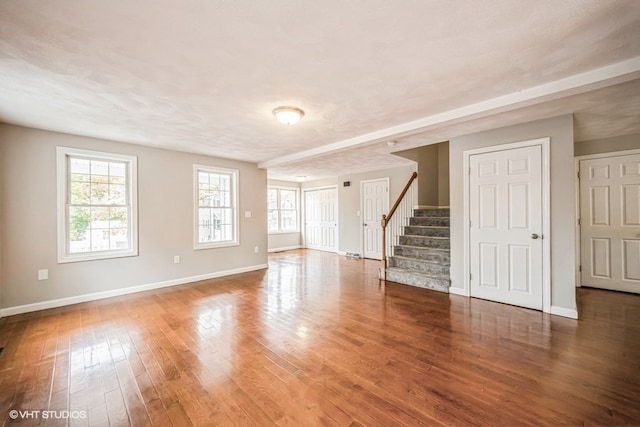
(609, 192)
(507, 210)
(321, 219)
(375, 203)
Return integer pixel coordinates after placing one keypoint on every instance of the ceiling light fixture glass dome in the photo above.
(288, 115)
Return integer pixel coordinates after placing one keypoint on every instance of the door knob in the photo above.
(534, 236)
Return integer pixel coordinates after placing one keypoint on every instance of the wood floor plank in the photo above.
(318, 340)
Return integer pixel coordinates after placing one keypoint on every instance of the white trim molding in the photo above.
(564, 312)
(234, 185)
(64, 156)
(286, 248)
(458, 291)
(60, 302)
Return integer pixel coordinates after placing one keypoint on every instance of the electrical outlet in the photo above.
(256, 249)
(43, 274)
(176, 259)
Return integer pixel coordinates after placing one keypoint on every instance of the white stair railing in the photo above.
(393, 224)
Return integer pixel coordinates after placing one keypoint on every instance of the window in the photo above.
(216, 222)
(97, 211)
(282, 209)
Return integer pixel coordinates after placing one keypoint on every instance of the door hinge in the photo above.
(578, 221)
(469, 276)
(580, 268)
(578, 174)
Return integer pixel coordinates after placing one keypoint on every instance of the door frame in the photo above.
(303, 213)
(544, 144)
(362, 246)
(577, 160)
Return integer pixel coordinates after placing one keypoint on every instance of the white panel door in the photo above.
(321, 219)
(375, 203)
(610, 223)
(506, 251)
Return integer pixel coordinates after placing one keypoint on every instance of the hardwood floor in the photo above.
(317, 340)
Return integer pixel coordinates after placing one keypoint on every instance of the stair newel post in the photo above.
(383, 269)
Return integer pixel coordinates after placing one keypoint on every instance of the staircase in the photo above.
(422, 257)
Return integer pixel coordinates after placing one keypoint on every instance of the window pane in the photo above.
(225, 182)
(99, 209)
(79, 166)
(117, 180)
(282, 209)
(99, 239)
(216, 195)
(204, 225)
(288, 199)
(225, 233)
(119, 238)
(80, 177)
(99, 191)
(99, 168)
(79, 235)
(225, 198)
(272, 220)
(117, 194)
(272, 198)
(117, 170)
(118, 217)
(289, 220)
(80, 193)
(204, 196)
(99, 217)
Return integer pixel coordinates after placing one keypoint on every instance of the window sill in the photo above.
(203, 246)
(96, 256)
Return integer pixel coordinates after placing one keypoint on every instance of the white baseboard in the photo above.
(558, 311)
(286, 248)
(27, 308)
(458, 291)
(564, 312)
(429, 207)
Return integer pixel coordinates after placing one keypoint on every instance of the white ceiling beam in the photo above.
(609, 75)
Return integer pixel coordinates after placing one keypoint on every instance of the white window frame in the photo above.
(279, 231)
(235, 178)
(63, 196)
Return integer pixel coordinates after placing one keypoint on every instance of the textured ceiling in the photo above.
(203, 76)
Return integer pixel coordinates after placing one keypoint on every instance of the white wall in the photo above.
(165, 193)
(608, 145)
(284, 241)
(433, 173)
(563, 253)
(350, 224)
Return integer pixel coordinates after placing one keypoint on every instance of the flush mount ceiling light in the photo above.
(288, 115)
